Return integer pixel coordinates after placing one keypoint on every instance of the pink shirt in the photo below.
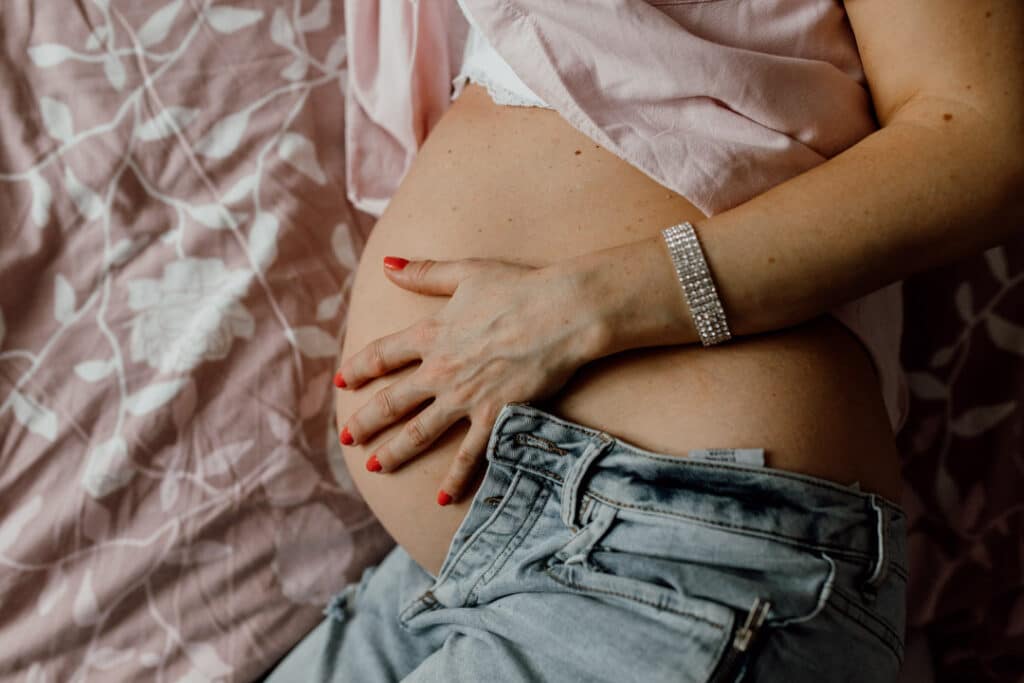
(718, 100)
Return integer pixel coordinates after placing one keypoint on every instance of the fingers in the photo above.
(379, 357)
(470, 454)
(438, 278)
(418, 433)
(385, 408)
(421, 431)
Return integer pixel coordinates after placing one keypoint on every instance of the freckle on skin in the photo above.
(578, 152)
(771, 259)
(988, 14)
(947, 117)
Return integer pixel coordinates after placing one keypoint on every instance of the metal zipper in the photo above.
(742, 639)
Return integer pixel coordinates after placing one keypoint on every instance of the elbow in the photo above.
(984, 136)
(985, 132)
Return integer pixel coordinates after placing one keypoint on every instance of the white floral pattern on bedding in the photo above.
(177, 252)
(191, 315)
(175, 255)
(963, 453)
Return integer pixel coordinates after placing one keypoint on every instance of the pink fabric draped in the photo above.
(402, 57)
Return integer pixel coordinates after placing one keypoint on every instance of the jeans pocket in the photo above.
(755, 584)
(696, 638)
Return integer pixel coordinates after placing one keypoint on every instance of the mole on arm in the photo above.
(947, 117)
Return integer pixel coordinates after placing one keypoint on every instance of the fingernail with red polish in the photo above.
(395, 262)
(443, 498)
(346, 437)
(373, 464)
(339, 381)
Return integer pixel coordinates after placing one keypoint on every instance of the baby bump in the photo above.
(539, 192)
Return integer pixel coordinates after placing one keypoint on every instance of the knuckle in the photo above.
(416, 431)
(440, 370)
(461, 395)
(385, 404)
(490, 409)
(424, 379)
(423, 267)
(464, 460)
(376, 357)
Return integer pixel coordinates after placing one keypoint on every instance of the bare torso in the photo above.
(520, 183)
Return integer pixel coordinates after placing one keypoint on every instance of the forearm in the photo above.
(924, 191)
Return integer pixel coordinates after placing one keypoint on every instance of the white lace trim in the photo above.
(499, 94)
(482, 64)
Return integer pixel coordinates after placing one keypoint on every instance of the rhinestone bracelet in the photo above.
(698, 287)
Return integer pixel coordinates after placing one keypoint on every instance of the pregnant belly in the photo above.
(521, 184)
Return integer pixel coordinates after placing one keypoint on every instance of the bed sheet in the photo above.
(176, 255)
(963, 463)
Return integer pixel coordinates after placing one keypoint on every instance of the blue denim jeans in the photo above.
(586, 558)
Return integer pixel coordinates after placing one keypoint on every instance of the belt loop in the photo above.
(573, 479)
(881, 566)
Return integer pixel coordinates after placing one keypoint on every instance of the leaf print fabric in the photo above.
(963, 464)
(171, 501)
(191, 315)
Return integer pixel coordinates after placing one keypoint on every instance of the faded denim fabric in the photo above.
(586, 558)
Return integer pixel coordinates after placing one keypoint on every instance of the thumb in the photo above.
(430, 276)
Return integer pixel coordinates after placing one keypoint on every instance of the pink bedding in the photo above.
(176, 251)
(176, 247)
(963, 448)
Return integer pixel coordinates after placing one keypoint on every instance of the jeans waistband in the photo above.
(779, 504)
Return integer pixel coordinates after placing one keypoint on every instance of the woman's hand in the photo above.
(510, 332)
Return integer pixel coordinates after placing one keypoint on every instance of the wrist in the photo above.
(630, 297)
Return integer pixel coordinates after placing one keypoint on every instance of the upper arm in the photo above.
(943, 58)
